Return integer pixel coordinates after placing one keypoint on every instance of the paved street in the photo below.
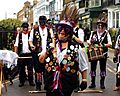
(14, 90)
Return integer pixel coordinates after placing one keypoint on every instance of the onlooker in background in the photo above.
(14, 36)
(49, 23)
(36, 25)
(22, 48)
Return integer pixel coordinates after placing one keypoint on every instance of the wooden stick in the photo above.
(37, 91)
(4, 83)
(24, 57)
(91, 91)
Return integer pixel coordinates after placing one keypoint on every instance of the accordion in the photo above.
(95, 53)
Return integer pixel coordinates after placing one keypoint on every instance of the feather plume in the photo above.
(103, 17)
(70, 13)
(64, 12)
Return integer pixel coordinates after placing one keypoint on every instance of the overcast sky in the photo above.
(9, 7)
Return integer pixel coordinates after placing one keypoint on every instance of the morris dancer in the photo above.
(62, 69)
(40, 39)
(78, 37)
(95, 38)
(22, 48)
(116, 59)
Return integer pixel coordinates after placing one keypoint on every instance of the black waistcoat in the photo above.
(104, 41)
(20, 43)
(37, 39)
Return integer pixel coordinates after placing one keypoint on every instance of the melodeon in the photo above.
(95, 53)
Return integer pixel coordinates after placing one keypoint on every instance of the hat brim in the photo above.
(62, 24)
(25, 25)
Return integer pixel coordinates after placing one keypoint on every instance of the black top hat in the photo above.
(25, 25)
(42, 18)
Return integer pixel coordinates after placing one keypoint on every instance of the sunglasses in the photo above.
(67, 30)
(100, 26)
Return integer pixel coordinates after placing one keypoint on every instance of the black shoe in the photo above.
(38, 88)
(45, 88)
(92, 86)
(21, 84)
(102, 87)
(32, 84)
(11, 82)
(77, 89)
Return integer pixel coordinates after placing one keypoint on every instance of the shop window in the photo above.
(94, 3)
(117, 1)
(117, 19)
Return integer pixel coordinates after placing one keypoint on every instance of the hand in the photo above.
(32, 47)
(89, 44)
(42, 56)
(103, 45)
(115, 59)
(73, 37)
(83, 85)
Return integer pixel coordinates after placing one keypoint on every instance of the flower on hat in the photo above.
(102, 19)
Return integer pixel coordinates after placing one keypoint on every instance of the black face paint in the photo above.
(42, 22)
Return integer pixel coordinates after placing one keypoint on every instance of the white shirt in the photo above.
(80, 34)
(43, 34)
(25, 46)
(82, 58)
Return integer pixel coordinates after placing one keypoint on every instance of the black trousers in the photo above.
(102, 63)
(39, 69)
(22, 62)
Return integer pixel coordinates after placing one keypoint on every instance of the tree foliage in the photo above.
(7, 30)
(10, 24)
